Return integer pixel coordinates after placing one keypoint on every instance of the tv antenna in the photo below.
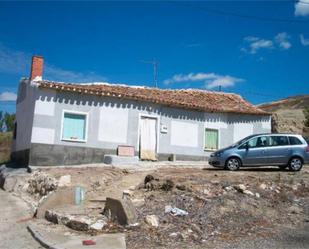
(154, 63)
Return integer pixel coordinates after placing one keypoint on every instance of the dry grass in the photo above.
(5, 146)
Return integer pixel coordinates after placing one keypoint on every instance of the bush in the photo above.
(306, 113)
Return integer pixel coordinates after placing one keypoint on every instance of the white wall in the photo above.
(184, 134)
(43, 107)
(24, 115)
(242, 130)
(113, 125)
(43, 135)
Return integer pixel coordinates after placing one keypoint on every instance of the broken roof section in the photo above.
(192, 99)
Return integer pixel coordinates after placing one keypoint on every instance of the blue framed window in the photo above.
(74, 126)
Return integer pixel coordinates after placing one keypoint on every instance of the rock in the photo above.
(80, 223)
(152, 220)
(181, 187)
(167, 185)
(138, 202)
(148, 178)
(240, 187)
(127, 194)
(98, 225)
(257, 195)
(132, 188)
(263, 186)
(173, 235)
(9, 183)
(64, 181)
(206, 192)
(295, 187)
(295, 210)
(120, 210)
(228, 188)
(248, 192)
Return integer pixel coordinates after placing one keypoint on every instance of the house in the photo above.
(64, 123)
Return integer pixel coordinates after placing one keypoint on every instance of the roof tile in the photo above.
(193, 99)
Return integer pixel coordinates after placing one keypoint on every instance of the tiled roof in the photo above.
(192, 99)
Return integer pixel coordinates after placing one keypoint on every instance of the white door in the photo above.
(148, 138)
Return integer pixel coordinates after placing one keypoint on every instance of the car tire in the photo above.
(232, 164)
(295, 164)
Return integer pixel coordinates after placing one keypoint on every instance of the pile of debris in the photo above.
(41, 183)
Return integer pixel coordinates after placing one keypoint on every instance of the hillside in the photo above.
(288, 114)
(5, 146)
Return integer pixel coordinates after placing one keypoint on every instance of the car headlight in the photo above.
(217, 154)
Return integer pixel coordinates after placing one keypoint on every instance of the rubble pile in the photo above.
(41, 183)
(196, 212)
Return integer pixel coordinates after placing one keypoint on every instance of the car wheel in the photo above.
(295, 164)
(232, 164)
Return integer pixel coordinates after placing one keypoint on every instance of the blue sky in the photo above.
(259, 49)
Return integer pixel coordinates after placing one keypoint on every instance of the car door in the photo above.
(279, 151)
(254, 151)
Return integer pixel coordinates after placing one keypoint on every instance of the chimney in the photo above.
(36, 68)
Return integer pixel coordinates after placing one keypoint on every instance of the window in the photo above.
(294, 141)
(257, 142)
(74, 127)
(211, 139)
(279, 141)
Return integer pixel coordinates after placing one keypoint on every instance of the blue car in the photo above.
(282, 150)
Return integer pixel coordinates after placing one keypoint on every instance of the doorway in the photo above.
(148, 138)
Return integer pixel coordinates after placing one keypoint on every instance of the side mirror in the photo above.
(247, 146)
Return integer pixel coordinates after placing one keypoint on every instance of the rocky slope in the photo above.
(288, 114)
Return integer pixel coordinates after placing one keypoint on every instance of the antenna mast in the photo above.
(154, 63)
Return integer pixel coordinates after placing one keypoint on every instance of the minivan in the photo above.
(282, 150)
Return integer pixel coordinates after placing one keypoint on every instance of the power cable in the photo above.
(258, 18)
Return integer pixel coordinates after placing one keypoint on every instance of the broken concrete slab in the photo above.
(54, 240)
(57, 198)
(120, 210)
(79, 221)
(12, 178)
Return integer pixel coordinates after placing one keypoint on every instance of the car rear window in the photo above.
(294, 141)
(279, 141)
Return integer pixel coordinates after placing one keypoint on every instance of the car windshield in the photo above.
(242, 141)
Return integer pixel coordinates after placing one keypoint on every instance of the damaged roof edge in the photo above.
(192, 99)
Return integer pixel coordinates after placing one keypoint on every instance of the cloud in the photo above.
(303, 41)
(210, 80)
(254, 44)
(8, 96)
(282, 40)
(302, 8)
(17, 62)
(58, 74)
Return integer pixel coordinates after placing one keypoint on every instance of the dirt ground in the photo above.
(223, 207)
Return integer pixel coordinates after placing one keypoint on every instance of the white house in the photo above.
(65, 123)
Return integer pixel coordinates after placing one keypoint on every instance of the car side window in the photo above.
(257, 142)
(294, 141)
(279, 141)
